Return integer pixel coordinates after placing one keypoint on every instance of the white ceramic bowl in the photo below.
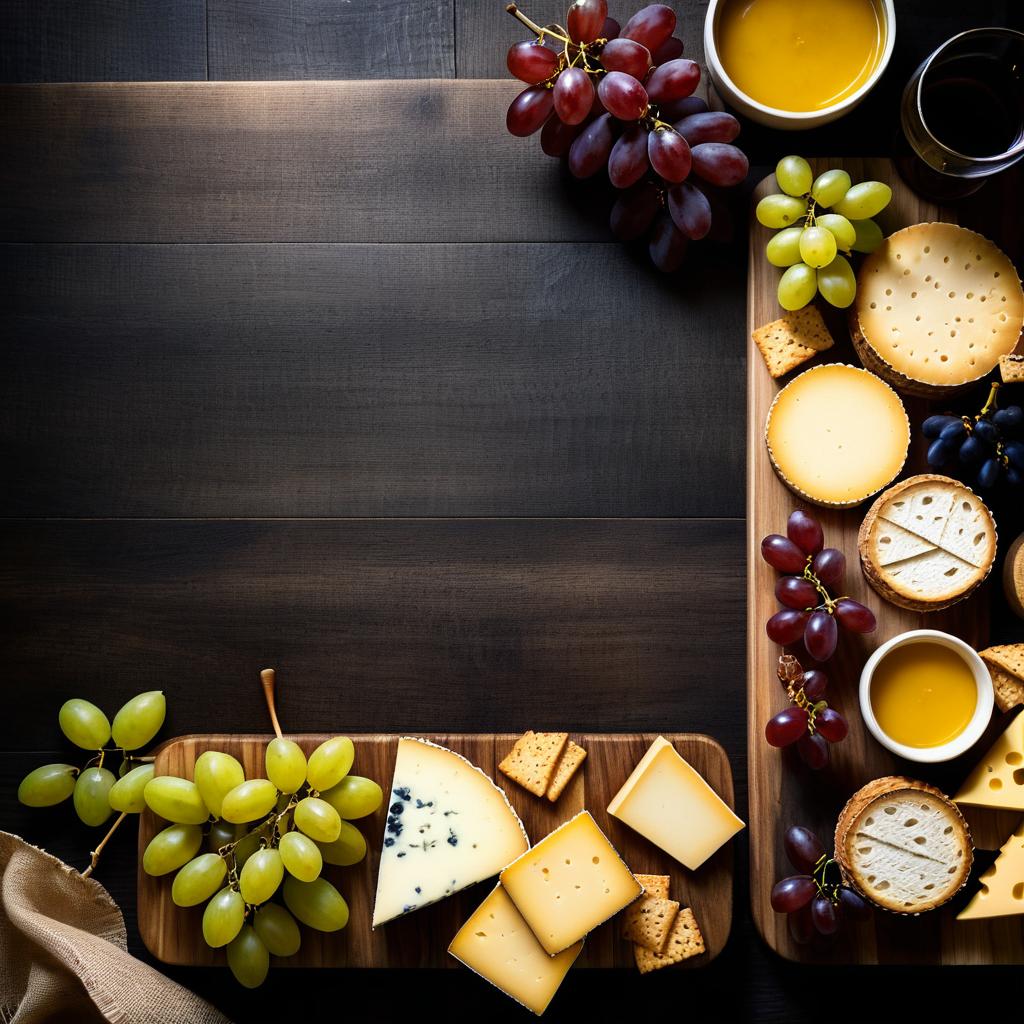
(982, 709)
(775, 117)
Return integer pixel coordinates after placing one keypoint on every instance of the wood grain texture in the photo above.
(173, 935)
(781, 791)
(260, 380)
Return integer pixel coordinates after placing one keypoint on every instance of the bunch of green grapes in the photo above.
(96, 792)
(261, 836)
(814, 246)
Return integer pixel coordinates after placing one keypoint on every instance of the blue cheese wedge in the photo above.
(448, 827)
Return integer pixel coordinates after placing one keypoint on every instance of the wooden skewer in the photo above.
(267, 678)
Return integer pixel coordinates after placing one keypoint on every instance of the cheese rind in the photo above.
(668, 802)
(1002, 886)
(998, 778)
(448, 827)
(497, 943)
(569, 883)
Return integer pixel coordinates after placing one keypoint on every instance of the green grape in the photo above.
(177, 800)
(168, 850)
(278, 930)
(198, 880)
(780, 211)
(129, 792)
(318, 819)
(84, 724)
(286, 764)
(348, 849)
(830, 187)
(216, 774)
(330, 762)
(869, 236)
(47, 785)
(246, 847)
(249, 801)
(139, 720)
(91, 800)
(301, 856)
(797, 287)
(356, 797)
(316, 904)
(844, 231)
(782, 250)
(837, 284)
(223, 917)
(794, 175)
(868, 199)
(261, 876)
(817, 247)
(248, 958)
(221, 833)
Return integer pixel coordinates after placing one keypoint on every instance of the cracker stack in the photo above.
(662, 932)
(1006, 666)
(543, 762)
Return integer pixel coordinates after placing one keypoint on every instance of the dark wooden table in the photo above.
(341, 379)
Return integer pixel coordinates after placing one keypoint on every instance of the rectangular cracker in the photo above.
(684, 941)
(654, 885)
(791, 340)
(1011, 369)
(648, 922)
(532, 761)
(572, 757)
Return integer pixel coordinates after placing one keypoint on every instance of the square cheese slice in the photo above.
(569, 883)
(498, 945)
(669, 803)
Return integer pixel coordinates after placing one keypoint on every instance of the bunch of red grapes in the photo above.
(809, 722)
(602, 96)
(810, 612)
(817, 900)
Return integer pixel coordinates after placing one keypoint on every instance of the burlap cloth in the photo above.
(63, 952)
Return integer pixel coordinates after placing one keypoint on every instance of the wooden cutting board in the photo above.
(783, 792)
(173, 934)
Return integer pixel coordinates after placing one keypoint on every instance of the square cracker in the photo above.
(1011, 369)
(572, 757)
(684, 941)
(531, 762)
(648, 922)
(792, 339)
(654, 885)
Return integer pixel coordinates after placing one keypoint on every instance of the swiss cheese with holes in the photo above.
(937, 306)
(927, 542)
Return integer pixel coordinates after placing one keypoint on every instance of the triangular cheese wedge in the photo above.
(968, 530)
(894, 544)
(448, 827)
(922, 511)
(1002, 886)
(998, 780)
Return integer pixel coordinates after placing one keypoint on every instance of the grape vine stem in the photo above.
(267, 677)
(94, 856)
(533, 26)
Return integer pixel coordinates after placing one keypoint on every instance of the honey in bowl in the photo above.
(800, 55)
(923, 694)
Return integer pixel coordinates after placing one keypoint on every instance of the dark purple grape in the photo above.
(710, 126)
(813, 751)
(786, 727)
(934, 425)
(796, 592)
(988, 475)
(628, 161)
(1014, 451)
(673, 81)
(529, 110)
(855, 617)
(676, 110)
(627, 56)
(821, 636)
(955, 431)
(1009, 418)
(667, 246)
(803, 848)
(801, 928)
(824, 916)
(831, 724)
(573, 95)
(532, 63)
(651, 25)
(670, 156)
(669, 50)
(782, 554)
(805, 532)
(556, 136)
(829, 565)
(985, 429)
(690, 210)
(585, 20)
(634, 211)
(786, 627)
(610, 29)
(1014, 477)
(589, 151)
(720, 163)
(939, 453)
(792, 893)
(972, 451)
(815, 684)
(854, 907)
(623, 96)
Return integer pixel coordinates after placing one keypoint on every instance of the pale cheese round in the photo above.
(936, 307)
(837, 434)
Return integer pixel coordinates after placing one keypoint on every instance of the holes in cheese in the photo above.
(995, 782)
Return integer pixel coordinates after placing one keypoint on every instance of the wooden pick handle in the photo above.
(267, 677)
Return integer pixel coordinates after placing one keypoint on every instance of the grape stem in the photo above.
(534, 27)
(94, 856)
(830, 890)
(267, 677)
(991, 402)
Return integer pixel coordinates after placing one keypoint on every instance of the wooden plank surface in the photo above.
(782, 792)
(173, 935)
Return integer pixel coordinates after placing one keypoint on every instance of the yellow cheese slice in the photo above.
(569, 883)
(998, 780)
(1002, 886)
(498, 945)
(837, 434)
(668, 802)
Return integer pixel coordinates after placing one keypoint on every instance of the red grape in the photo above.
(589, 151)
(690, 210)
(669, 155)
(586, 19)
(801, 928)
(667, 246)
(854, 908)
(709, 126)
(782, 554)
(651, 25)
(814, 684)
(719, 163)
(676, 110)
(787, 726)
(556, 136)
(623, 96)
(532, 63)
(796, 592)
(813, 751)
(627, 56)
(573, 95)
(610, 29)
(529, 110)
(831, 724)
(854, 616)
(634, 211)
(824, 915)
(669, 50)
(673, 81)
(821, 636)
(786, 627)
(805, 532)
(628, 161)
(829, 566)
(803, 848)
(792, 893)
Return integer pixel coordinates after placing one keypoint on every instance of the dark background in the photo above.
(183, 506)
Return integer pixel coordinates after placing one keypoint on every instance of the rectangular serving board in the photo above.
(782, 791)
(173, 934)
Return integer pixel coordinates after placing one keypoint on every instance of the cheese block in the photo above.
(448, 826)
(936, 307)
(569, 883)
(498, 945)
(1013, 576)
(1002, 886)
(998, 779)
(837, 434)
(927, 542)
(668, 802)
